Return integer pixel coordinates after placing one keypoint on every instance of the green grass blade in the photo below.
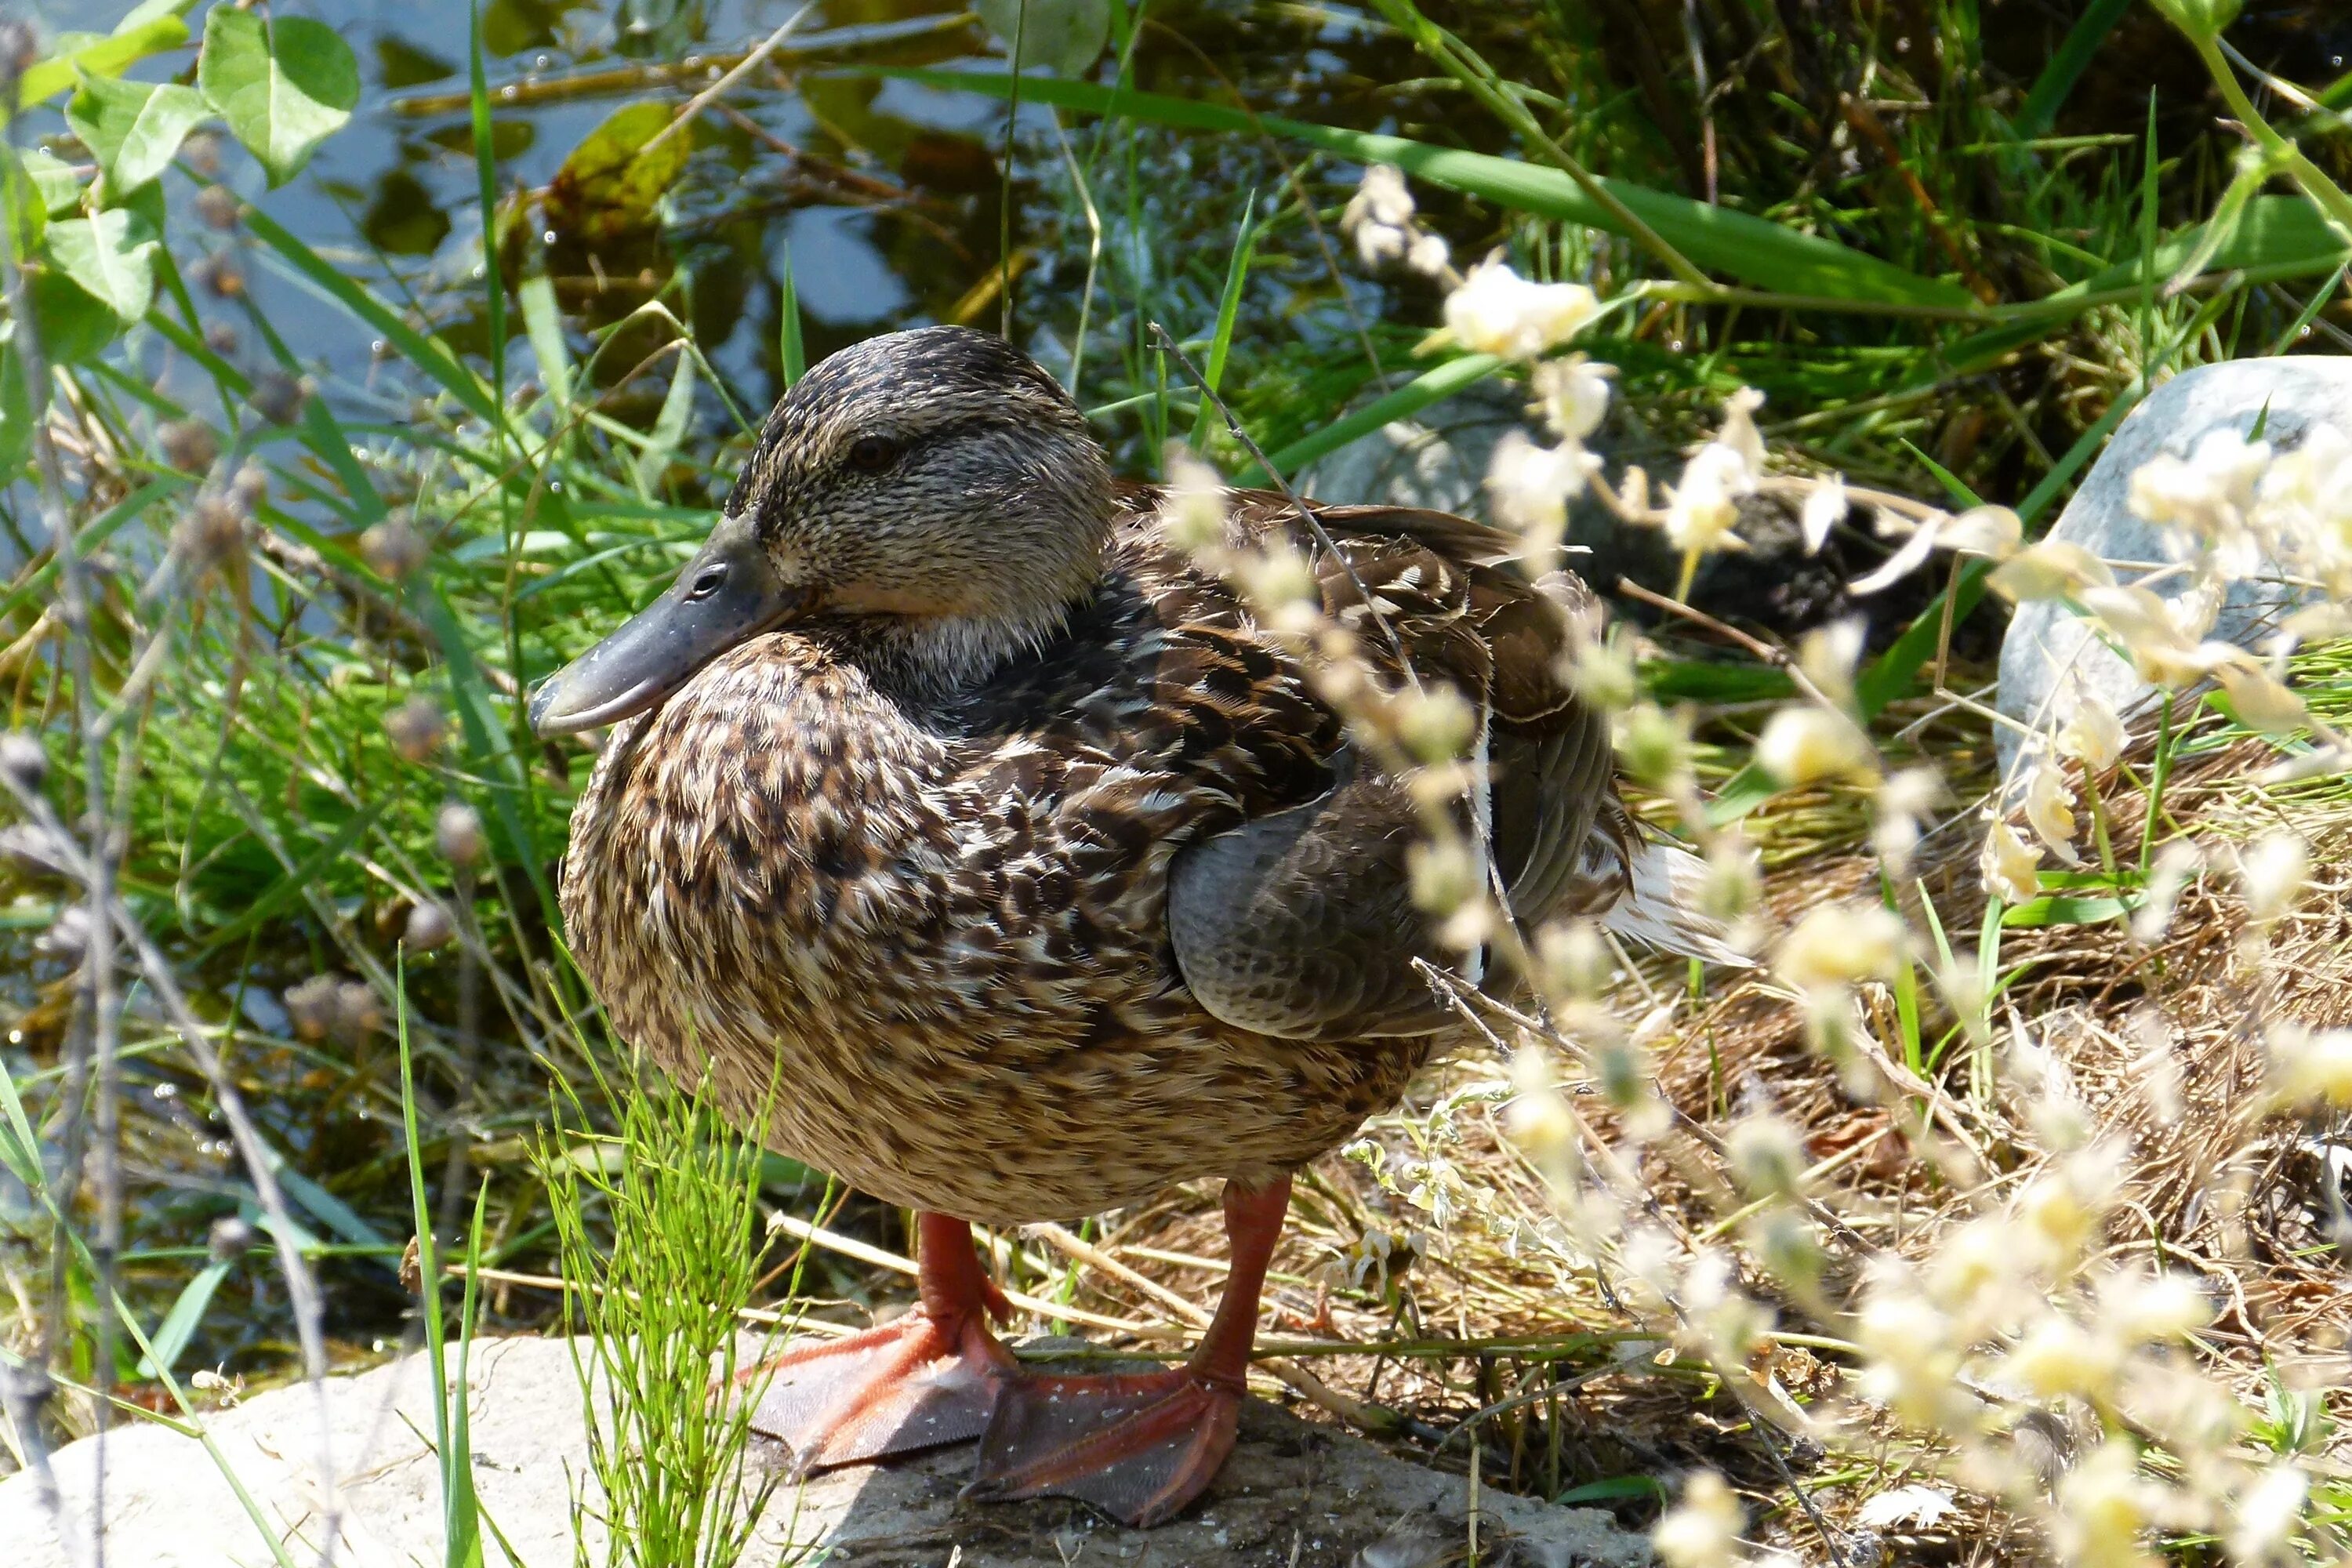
(1229, 305)
(1739, 245)
(1430, 387)
(2081, 46)
(792, 353)
(669, 429)
(485, 171)
(2271, 238)
(542, 322)
(180, 1324)
(429, 357)
(462, 1509)
(428, 1259)
(1953, 485)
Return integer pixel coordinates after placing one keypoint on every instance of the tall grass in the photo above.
(660, 1349)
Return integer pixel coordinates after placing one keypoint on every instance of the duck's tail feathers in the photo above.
(1663, 906)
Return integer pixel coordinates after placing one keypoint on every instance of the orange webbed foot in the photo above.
(930, 1378)
(1136, 1446)
(910, 1384)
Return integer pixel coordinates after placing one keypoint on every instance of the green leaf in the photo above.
(134, 127)
(283, 85)
(143, 33)
(21, 209)
(611, 181)
(59, 186)
(15, 413)
(111, 256)
(74, 324)
(542, 322)
(1739, 245)
(1063, 35)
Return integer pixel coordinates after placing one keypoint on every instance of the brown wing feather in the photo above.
(1300, 922)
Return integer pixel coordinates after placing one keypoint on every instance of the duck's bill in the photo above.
(727, 594)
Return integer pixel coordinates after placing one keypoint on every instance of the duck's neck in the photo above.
(932, 659)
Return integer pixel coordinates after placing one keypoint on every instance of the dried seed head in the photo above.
(458, 834)
(229, 1238)
(23, 761)
(394, 549)
(220, 336)
(213, 532)
(201, 152)
(218, 207)
(225, 278)
(250, 485)
(1768, 1154)
(68, 938)
(19, 48)
(330, 1007)
(278, 397)
(417, 729)
(189, 445)
(428, 927)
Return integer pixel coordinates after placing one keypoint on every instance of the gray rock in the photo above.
(1437, 459)
(2046, 648)
(1292, 1494)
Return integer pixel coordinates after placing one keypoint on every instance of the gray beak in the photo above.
(727, 594)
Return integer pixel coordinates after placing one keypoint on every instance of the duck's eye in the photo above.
(706, 582)
(872, 454)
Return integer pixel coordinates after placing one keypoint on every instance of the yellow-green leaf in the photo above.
(143, 33)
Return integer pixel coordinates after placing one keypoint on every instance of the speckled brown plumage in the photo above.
(939, 921)
(985, 852)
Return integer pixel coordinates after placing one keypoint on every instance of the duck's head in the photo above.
(934, 486)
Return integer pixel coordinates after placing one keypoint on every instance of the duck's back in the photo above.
(936, 939)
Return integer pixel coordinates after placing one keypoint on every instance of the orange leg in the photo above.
(929, 1378)
(1140, 1445)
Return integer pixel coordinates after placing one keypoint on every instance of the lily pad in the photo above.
(1063, 35)
(612, 179)
(136, 128)
(284, 85)
(112, 257)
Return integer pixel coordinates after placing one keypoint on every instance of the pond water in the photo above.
(884, 194)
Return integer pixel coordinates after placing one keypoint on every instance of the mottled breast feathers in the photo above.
(1129, 909)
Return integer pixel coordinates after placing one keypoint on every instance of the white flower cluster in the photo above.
(1381, 219)
(2232, 510)
(2029, 1311)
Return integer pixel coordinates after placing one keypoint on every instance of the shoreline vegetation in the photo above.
(1997, 1216)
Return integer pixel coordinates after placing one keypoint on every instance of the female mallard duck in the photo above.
(985, 853)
